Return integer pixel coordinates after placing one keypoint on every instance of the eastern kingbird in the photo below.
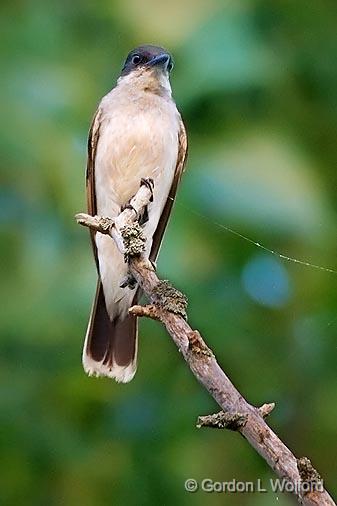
(137, 132)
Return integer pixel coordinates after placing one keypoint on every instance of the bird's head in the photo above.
(150, 65)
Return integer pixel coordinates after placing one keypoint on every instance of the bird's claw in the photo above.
(128, 206)
(149, 183)
(128, 282)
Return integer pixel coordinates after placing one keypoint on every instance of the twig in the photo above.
(266, 409)
(169, 306)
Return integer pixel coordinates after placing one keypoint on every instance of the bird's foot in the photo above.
(128, 206)
(149, 183)
(128, 282)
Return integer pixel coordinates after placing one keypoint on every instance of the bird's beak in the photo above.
(162, 60)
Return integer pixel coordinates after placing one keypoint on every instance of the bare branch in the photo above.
(266, 409)
(150, 311)
(169, 306)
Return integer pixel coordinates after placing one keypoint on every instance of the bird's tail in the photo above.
(110, 347)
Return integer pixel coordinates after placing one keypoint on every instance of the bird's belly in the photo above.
(128, 150)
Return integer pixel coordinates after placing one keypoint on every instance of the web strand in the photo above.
(262, 246)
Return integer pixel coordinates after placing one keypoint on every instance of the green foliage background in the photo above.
(256, 82)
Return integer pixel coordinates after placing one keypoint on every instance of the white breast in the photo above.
(138, 139)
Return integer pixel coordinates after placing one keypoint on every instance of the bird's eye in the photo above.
(136, 59)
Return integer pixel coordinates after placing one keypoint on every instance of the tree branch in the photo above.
(168, 305)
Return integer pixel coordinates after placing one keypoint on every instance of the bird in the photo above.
(137, 133)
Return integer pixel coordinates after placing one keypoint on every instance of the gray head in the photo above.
(145, 57)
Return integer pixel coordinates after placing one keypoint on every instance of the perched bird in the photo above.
(136, 133)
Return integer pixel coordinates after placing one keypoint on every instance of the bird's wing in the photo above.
(181, 162)
(110, 347)
(90, 174)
